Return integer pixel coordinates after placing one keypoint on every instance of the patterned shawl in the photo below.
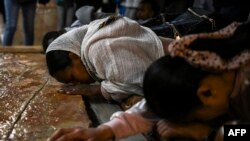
(206, 59)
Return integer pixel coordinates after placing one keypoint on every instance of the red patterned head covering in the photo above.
(206, 59)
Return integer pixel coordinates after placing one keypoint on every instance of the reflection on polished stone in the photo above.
(30, 107)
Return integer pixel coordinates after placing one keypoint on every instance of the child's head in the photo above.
(147, 9)
(175, 89)
(196, 80)
(170, 85)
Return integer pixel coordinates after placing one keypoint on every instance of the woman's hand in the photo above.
(85, 90)
(102, 133)
(194, 131)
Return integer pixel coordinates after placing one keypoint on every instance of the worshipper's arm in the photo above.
(121, 125)
(101, 133)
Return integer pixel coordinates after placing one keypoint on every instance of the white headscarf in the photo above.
(70, 41)
(118, 52)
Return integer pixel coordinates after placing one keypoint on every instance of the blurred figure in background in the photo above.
(65, 13)
(204, 4)
(3, 20)
(231, 10)
(147, 9)
(177, 6)
(96, 3)
(108, 6)
(120, 7)
(12, 13)
(131, 7)
(2, 10)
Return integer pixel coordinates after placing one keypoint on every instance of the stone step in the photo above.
(21, 49)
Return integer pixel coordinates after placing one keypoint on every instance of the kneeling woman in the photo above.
(114, 51)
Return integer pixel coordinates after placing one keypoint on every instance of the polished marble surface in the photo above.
(30, 107)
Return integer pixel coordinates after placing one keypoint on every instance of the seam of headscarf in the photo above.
(110, 20)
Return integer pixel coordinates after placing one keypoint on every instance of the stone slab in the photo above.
(30, 107)
(21, 49)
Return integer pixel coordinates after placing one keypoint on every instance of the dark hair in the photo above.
(154, 5)
(57, 60)
(49, 37)
(232, 10)
(170, 84)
